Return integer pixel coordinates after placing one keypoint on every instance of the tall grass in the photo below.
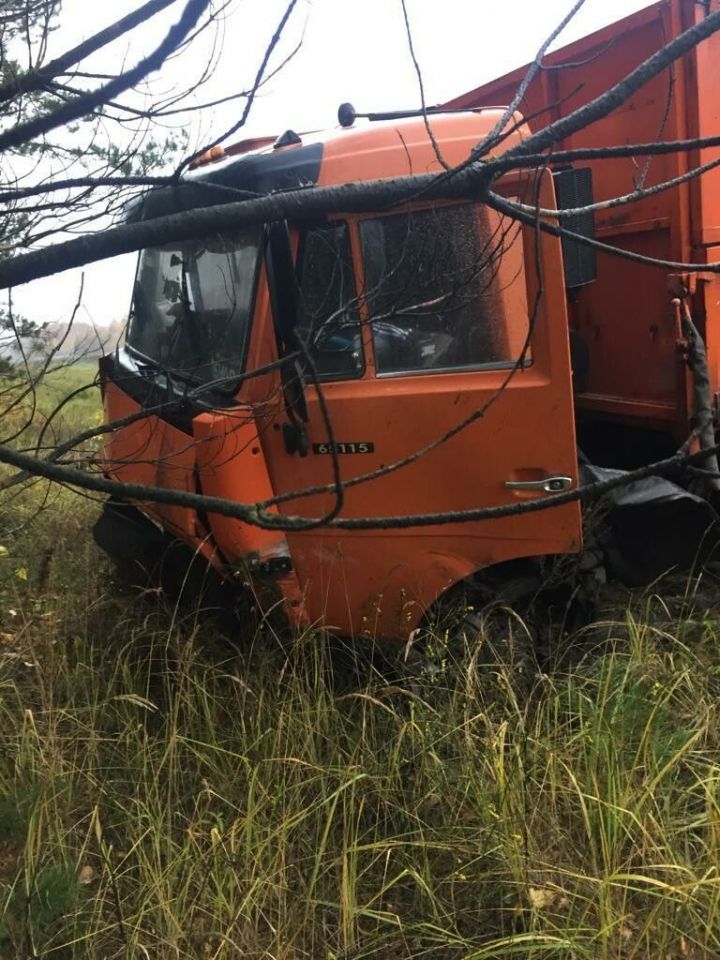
(65, 393)
(165, 795)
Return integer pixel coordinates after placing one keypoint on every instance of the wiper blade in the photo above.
(145, 366)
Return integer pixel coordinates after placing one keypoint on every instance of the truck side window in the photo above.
(328, 313)
(434, 289)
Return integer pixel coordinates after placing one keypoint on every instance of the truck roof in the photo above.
(365, 151)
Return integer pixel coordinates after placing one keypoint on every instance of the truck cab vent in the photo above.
(573, 188)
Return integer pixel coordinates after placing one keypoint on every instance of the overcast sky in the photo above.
(352, 50)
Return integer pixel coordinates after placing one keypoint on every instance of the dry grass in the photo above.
(166, 795)
(163, 795)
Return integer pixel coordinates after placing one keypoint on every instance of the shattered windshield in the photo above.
(192, 305)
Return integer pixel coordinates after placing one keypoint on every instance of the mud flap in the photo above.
(127, 536)
(653, 526)
(148, 557)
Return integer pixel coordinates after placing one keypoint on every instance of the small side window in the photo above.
(436, 289)
(328, 314)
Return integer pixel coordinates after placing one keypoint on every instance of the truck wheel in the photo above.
(516, 624)
(477, 627)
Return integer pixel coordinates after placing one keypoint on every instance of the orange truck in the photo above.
(399, 325)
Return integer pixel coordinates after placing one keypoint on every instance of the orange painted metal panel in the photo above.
(379, 582)
(151, 452)
(625, 316)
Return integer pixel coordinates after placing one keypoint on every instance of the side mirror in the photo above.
(573, 188)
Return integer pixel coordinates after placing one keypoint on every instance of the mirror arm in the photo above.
(283, 302)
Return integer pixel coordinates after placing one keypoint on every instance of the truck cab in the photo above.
(420, 350)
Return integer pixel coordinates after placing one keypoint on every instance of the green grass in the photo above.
(163, 795)
(62, 382)
(63, 402)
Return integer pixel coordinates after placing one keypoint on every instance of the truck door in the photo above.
(417, 323)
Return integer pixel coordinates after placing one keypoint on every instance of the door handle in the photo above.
(546, 485)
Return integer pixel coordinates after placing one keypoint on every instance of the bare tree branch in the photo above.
(514, 210)
(611, 99)
(293, 205)
(533, 71)
(250, 513)
(72, 183)
(37, 79)
(664, 147)
(640, 193)
(82, 106)
(274, 40)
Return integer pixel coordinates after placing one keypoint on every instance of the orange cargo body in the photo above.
(637, 375)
